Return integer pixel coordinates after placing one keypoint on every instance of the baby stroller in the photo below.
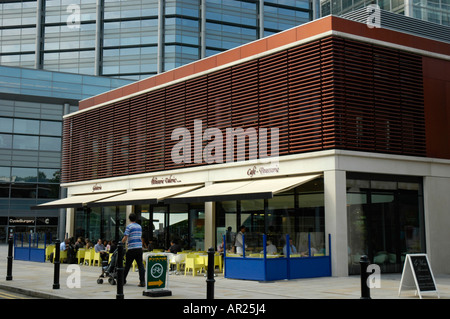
(110, 270)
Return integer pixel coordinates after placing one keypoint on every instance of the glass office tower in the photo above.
(135, 39)
(32, 104)
(437, 11)
(54, 53)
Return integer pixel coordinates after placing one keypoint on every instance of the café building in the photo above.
(333, 133)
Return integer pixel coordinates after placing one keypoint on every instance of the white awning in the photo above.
(75, 201)
(241, 190)
(148, 196)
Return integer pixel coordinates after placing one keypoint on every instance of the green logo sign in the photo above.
(156, 272)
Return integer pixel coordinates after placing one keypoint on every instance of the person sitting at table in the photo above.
(174, 247)
(271, 249)
(292, 249)
(220, 247)
(100, 248)
(79, 244)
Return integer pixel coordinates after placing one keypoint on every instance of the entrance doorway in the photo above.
(385, 220)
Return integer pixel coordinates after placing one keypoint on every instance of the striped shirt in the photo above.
(134, 233)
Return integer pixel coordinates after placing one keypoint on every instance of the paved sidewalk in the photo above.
(36, 279)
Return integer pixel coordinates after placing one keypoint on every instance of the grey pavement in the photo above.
(36, 279)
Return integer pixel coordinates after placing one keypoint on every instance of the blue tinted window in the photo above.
(5, 174)
(50, 144)
(51, 128)
(22, 126)
(5, 141)
(6, 124)
(23, 174)
(25, 142)
(48, 175)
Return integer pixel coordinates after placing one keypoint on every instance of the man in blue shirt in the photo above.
(133, 234)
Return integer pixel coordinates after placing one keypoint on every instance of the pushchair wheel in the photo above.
(111, 281)
(99, 281)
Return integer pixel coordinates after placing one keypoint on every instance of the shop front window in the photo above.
(226, 214)
(159, 227)
(113, 222)
(197, 229)
(385, 220)
(298, 213)
(95, 219)
(179, 224)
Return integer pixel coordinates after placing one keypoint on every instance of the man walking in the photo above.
(133, 234)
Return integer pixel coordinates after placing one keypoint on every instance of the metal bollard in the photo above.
(210, 279)
(120, 272)
(57, 263)
(365, 290)
(10, 259)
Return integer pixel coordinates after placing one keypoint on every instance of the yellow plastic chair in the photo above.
(62, 255)
(194, 263)
(218, 261)
(48, 251)
(97, 259)
(88, 256)
(80, 254)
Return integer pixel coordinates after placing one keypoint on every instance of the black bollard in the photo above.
(365, 290)
(57, 263)
(10, 259)
(120, 272)
(210, 279)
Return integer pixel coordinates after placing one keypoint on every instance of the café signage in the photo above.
(165, 180)
(262, 170)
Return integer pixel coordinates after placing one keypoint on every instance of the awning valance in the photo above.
(148, 196)
(241, 190)
(76, 201)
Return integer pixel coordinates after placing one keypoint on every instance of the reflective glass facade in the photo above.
(134, 38)
(32, 104)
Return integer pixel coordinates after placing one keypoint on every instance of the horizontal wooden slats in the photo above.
(329, 93)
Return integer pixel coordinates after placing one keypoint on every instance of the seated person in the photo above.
(174, 247)
(100, 248)
(292, 248)
(271, 249)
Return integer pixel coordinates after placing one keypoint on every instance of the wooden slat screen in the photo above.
(332, 93)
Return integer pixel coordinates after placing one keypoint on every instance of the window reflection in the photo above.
(51, 128)
(50, 143)
(26, 175)
(5, 174)
(5, 141)
(22, 126)
(6, 124)
(24, 142)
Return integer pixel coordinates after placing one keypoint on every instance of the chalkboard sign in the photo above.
(417, 274)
